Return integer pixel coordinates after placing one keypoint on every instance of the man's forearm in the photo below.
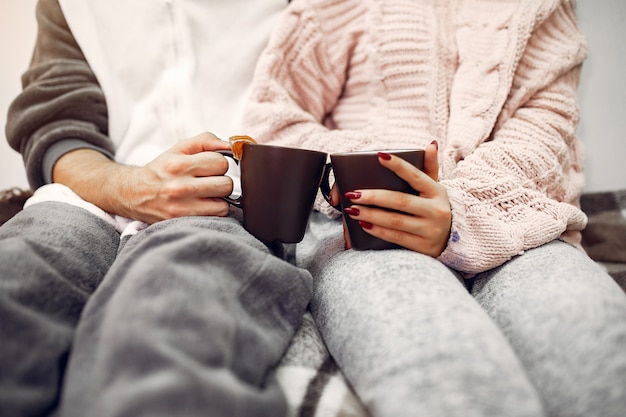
(186, 180)
(97, 179)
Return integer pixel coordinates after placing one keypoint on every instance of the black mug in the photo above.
(278, 189)
(361, 170)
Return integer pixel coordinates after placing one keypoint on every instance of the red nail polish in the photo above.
(352, 211)
(434, 142)
(366, 225)
(353, 195)
(384, 156)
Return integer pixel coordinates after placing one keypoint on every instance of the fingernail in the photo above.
(366, 225)
(352, 211)
(353, 195)
(384, 156)
(434, 142)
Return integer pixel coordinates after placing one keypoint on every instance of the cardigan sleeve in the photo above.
(62, 106)
(300, 77)
(520, 188)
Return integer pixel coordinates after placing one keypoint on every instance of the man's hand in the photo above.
(186, 180)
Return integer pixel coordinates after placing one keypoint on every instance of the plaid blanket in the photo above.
(604, 239)
(311, 380)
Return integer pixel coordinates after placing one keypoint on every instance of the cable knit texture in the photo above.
(494, 82)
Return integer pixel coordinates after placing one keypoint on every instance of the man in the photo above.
(127, 287)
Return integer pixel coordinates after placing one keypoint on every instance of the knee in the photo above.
(553, 282)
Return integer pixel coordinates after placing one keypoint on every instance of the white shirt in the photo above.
(171, 69)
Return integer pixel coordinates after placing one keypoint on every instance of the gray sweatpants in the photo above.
(543, 335)
(185, 318)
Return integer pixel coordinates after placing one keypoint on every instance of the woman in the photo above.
(489, 90)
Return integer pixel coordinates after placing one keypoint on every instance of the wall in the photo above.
(17, 37)
(602, 92)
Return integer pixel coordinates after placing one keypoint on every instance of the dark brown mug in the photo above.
(278, 189)
(362, 170)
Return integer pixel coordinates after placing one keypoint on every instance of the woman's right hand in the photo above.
(419, 223)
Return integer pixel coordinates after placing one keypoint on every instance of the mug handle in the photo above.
(325, 185)
(234, 201)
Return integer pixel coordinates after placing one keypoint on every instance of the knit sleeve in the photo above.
(62, 105)
(301, 75)
(520, 189)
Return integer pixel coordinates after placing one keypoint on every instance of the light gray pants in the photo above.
(543, 335)
(186, 318)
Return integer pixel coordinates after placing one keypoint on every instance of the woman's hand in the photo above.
(423, 222)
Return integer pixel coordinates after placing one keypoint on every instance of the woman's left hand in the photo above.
(422, 223)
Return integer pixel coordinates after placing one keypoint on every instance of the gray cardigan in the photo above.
(62, 106)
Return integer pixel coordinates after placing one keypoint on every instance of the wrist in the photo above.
(96, 179)
(118, 190)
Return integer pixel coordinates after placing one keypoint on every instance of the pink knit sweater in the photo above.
(494, 82)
